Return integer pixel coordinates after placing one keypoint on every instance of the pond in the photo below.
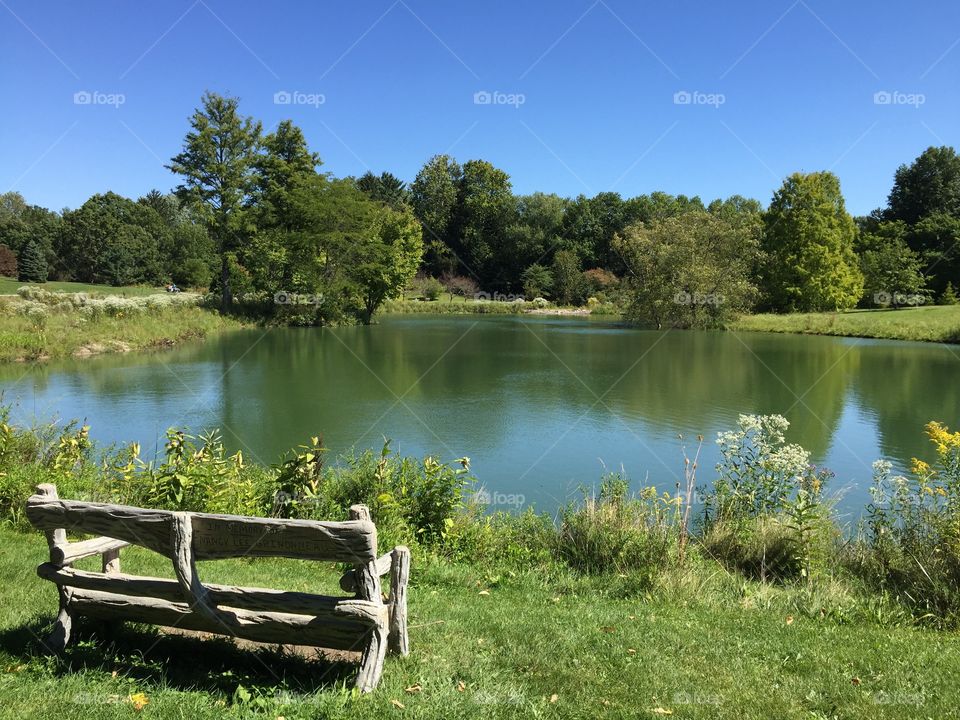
(542, 405)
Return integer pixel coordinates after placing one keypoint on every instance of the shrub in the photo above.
(912, 543)
(8, 262)
(460, 285)
(616, 533)
(192, 273)
(537, 281)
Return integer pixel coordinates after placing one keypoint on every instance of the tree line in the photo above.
(255, 220)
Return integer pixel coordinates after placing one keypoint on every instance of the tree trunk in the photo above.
(226, 296)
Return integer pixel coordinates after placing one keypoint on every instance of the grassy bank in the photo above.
(514, 645)
(932, 324)
(40, 325)
(610, 610)
(10, 286)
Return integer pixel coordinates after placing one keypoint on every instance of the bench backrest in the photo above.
(214, 536)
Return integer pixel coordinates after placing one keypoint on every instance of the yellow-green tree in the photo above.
(811, 264)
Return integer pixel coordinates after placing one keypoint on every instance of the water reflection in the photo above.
(540, 404)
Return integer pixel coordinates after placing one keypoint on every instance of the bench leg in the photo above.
(371, 664)
(399, 577)
(63, 627)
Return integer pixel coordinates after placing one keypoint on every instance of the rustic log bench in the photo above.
(365, 622)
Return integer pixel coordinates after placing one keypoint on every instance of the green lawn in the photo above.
(528, 647)
(936, 323)
(8, 286)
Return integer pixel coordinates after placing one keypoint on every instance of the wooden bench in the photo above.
(365, 622)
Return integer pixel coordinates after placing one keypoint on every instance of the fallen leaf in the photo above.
(484, 592)
(631, 651)
(414, 689)
(631, 616)
(139, 701)
(461, 686)
(113, 674)
(789, 620)
(397, 704)
(855, 680)
(661, 711)
(554, 698)
(556, 599)
(608, 629)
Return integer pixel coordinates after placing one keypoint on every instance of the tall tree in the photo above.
(32, 265)
(384, 188)
(433, 195)
(811, 265)
(693, 269)
(217, 164)
(892, 272)
(927, 186)
(485, 208)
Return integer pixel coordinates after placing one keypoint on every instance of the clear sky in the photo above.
(587, 89)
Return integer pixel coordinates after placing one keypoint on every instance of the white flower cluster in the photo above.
(37, 301)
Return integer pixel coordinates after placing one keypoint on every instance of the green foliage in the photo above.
(912, 542)
(949, 297)
(614, 532)
(537, 281)
(32, 266)
(385, 188)
(433, 195)
(569, 286)
(930, 185)
(809, 239)
(218, 164)
(892, 272)
(689, 270)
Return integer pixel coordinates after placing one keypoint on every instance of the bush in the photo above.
(617, 533)
(912, 543)
(429, 288)
(8, 262)
(460, 285)
(192, 273)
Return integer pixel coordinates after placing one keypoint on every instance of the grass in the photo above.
(932, 323)
(9, 286)
(530, 646)
(64, 331)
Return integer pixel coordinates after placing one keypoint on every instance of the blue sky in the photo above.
(774, 87)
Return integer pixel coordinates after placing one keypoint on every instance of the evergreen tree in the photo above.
(949, 297)
(32, 265)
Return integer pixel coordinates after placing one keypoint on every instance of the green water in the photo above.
(540, 405)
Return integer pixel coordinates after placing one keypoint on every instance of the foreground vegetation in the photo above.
(749, 604)
(933, 323)
(39, 325)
